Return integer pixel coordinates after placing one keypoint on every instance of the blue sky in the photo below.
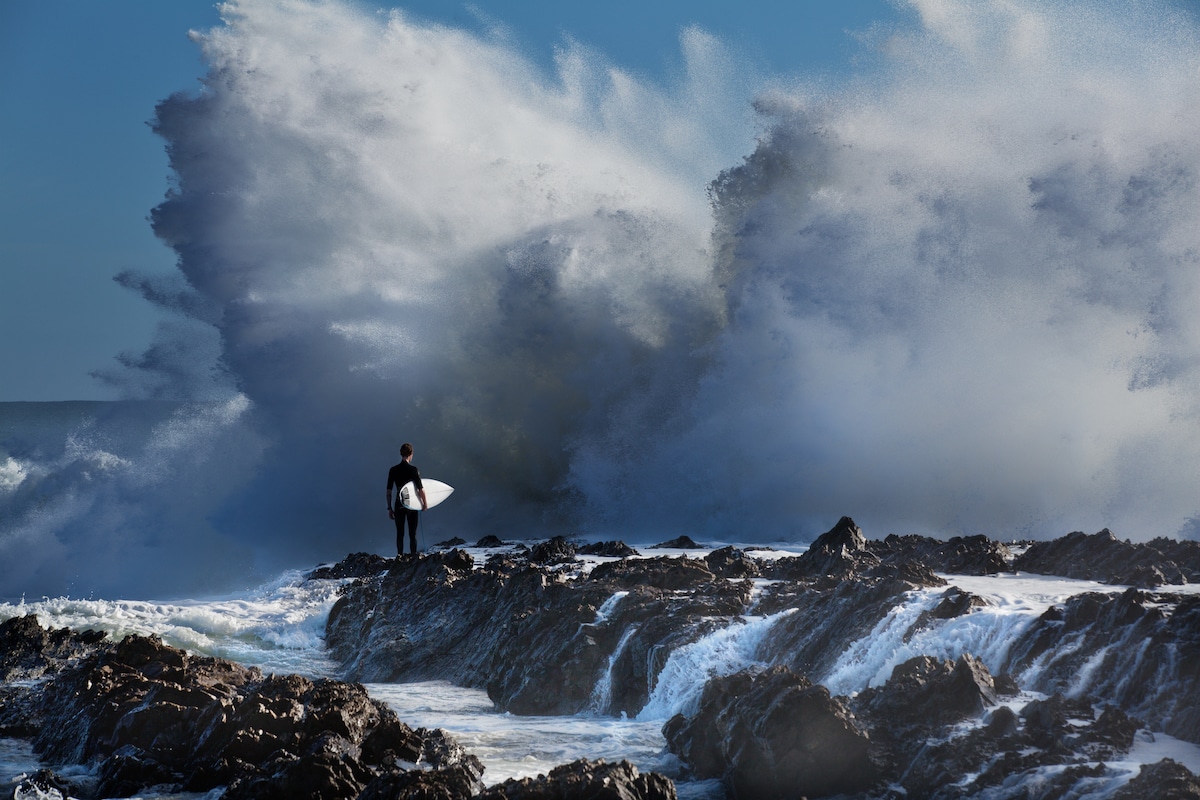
(80, 169)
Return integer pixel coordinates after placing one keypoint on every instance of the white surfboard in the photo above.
(435, 492)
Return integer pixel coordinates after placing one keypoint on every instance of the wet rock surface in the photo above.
(925, 693)
(587, 780)
(544, 635)
(356, 565)
(1166, 780)
(680, 543)
(844, 552)
(28, 651)
(614, 549)
(1141, 652)
(143, 714)
(1105, 558)
(773, 735)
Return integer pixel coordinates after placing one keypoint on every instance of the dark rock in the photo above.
(1112, 735)
(44, 784)
(356, 565)
(924, 694)
(1006, 685)
(28, 651)
(682, 543)
(840, 552)
(451, 543)
(490, 541)
(1157, 679)
(147, 715)
(826, 619)
(1003, 723)
(1166, 780)
(586, 780)
(772, 735)
(1103, 557)
(616, 549)
(730, 562)
(956, 603)
(661, 572)
(1052, 724)
(555, 551)
(453, 783)
(513, 631)
(960, 555)
(130, 770)
(516, 629)
(843, 552)
(909, 572)
(844, 538)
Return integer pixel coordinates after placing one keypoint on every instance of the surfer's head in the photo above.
(406, 450)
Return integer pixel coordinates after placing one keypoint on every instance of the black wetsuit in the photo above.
(398, 476)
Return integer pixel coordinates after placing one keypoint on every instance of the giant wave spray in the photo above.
(956, 294)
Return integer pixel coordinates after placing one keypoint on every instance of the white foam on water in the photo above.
(870, 660)
(524, 746)
(723, 652)
(1015, 601)
(279, 627)
(602, 692)
(608, 606)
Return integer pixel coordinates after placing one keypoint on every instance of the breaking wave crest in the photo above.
(956, 295)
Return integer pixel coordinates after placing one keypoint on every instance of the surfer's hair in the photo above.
(405, 450)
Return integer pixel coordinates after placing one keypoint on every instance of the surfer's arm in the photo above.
(421, 494)
(391, 513)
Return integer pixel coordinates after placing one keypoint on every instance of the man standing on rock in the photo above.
(399, 475)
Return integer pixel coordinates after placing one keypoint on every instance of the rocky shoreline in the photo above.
(542, 636)
(149, 717)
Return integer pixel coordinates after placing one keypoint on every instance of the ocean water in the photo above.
(279, 627)
(952, 292)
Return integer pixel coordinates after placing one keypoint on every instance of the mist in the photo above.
(955, 294)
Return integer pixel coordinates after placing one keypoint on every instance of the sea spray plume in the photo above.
(959, 298)
(409, 232)
(122, 505)
(965, 297)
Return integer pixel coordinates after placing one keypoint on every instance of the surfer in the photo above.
(399, 475)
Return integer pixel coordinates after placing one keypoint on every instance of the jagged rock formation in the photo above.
(773, 735)
(355, 565)
(515, 629)
(844, 551)
(586, 780)
(960, 555)
(145, 714)
(1166, 780)
(1138, 651)
(603, 641)
(681, 543)
(730, 562)
(1105, 558)
(544, 636)
(28, 651)
(617, 549)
